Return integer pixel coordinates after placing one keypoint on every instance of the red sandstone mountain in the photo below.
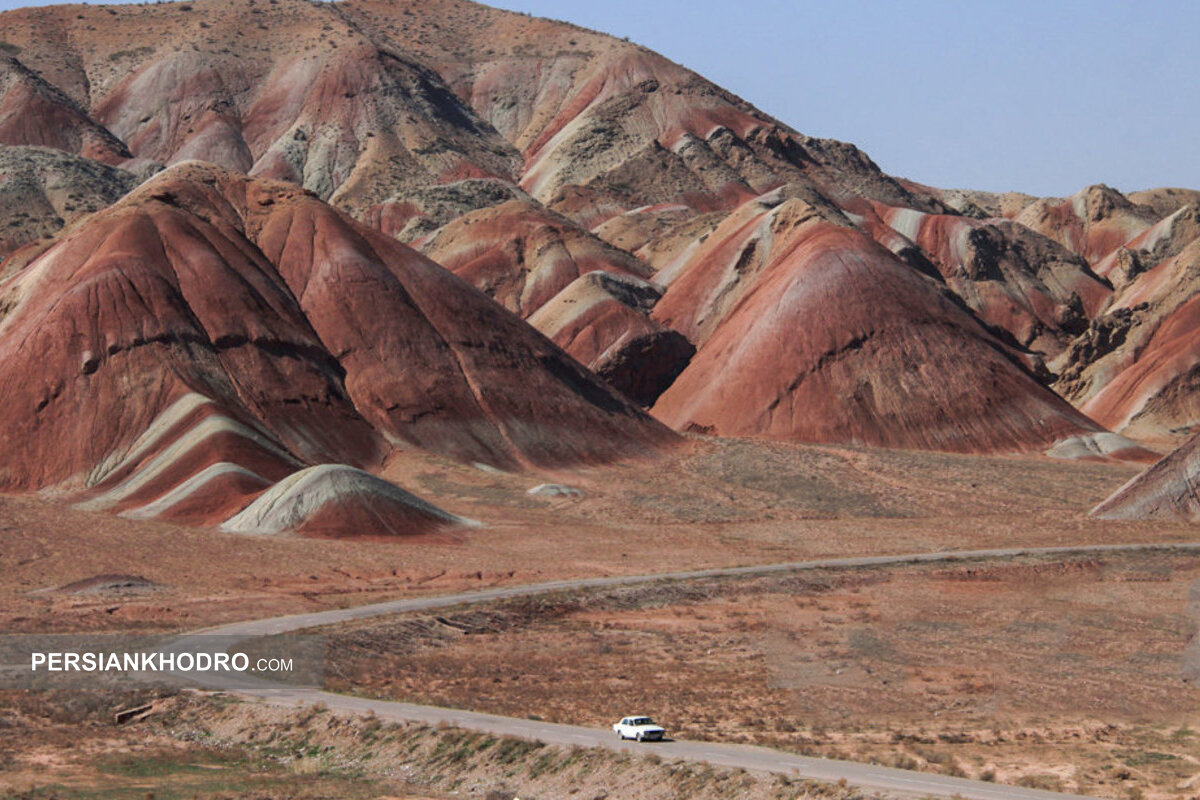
(1014, 279)
(527, 155)
(809, 329)
(366, 102)
(603, 320)
(301, 336)
(522, 254)
(34, 112)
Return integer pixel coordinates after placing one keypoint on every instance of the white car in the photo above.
(642, 729)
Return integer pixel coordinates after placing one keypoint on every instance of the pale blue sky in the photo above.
(1038, 96)
(1043, 97)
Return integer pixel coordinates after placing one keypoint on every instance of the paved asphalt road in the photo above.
(756, 759)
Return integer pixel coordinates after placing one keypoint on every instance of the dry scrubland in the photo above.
(986, 665)
(215, 746)
(708, 503)
(65, 746)
(520, 154)
(979, 669)
(1069, 674)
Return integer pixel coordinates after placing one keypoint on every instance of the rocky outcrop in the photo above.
(1162, 240)
(1135, 369)
(42, 190)
(1165, 201)
(1093, 223)
(1015, 280)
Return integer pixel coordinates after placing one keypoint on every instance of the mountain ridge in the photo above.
(525, 155)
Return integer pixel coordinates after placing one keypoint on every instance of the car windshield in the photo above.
(641, 721)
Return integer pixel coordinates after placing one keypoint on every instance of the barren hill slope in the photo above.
(360, 100)
(1167, 490)
(525, 153)
(809, 329)
(42, 189)
(301, 336)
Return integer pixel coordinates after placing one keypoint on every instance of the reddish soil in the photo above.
(716, 502)
(1071, 674)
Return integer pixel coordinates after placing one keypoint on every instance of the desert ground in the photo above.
(1070, 674)
(1061, 672)
(538, 303)
(709, 502)
(58, 746)
(193, 745)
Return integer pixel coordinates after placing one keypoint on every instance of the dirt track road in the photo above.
(756, 759)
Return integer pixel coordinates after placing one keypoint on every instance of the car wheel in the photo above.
(639, 737)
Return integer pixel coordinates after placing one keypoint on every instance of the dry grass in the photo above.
(711, 503)
(64, 745)
(212, 746)
(1062, 672)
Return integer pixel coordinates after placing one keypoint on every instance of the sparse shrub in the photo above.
(133, 53)
(511, 750)
(543, 764)
(1040, 780)
(934, 756)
